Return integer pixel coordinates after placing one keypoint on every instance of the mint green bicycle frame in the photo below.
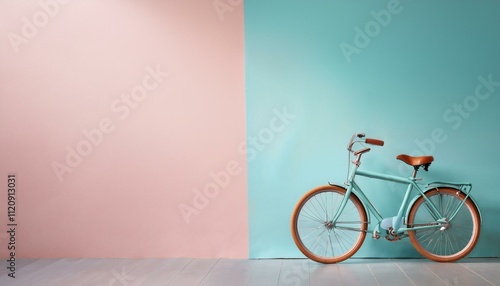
(399, 221)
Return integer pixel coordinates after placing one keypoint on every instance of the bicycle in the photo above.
(329, 223)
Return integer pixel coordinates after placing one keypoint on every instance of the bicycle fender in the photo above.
(450, 186)
(337, 185)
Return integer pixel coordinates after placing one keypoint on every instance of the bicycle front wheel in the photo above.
(316, 234)
(453, 240)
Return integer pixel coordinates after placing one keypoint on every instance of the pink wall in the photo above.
(112, 115)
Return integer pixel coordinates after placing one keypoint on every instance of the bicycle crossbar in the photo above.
(385, 177)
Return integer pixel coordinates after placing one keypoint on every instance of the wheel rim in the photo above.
(451, 241)
(319, 237)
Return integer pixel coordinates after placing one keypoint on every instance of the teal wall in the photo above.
(413, 73)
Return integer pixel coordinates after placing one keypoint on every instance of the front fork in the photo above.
(348, 184)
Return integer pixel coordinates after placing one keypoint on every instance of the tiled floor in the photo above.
(220, 272)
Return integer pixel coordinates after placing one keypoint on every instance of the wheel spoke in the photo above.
(450, 240)
(317, 236)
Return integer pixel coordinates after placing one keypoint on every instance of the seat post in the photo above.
(415, 170)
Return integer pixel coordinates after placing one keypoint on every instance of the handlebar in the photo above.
(370, 141)
(373, 141)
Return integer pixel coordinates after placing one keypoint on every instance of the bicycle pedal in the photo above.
(392, 237)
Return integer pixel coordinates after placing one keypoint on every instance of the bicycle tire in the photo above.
(449, 243)
(315, 235)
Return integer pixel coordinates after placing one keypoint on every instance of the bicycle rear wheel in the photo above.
(317, 236)
(450, 242)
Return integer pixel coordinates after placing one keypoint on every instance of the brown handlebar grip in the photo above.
(374, 141)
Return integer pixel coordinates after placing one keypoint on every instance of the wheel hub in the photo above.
(446, 225)
(329, 225)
